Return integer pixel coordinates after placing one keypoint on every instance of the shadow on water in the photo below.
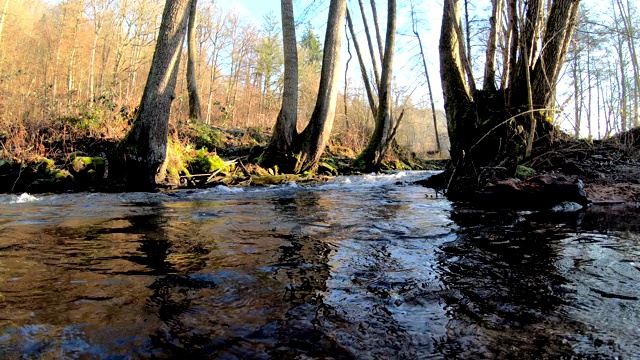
(517, 285)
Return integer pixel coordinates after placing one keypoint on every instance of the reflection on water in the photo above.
(363, 267)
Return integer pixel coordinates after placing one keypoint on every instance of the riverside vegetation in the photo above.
(83, 154)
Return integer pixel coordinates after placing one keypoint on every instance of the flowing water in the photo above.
(367, 267)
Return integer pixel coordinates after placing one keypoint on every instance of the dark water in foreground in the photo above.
(364, 267)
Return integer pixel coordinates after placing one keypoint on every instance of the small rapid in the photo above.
(369, 266)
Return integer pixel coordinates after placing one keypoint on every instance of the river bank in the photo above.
(199, 157)
(601, 172)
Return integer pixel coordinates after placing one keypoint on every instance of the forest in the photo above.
(74, 71)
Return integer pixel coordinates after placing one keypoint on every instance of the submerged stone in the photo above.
(567, 206)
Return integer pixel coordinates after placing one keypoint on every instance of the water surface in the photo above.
(367, 267)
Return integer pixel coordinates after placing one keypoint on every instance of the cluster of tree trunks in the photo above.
(495, 123)
(485, 125)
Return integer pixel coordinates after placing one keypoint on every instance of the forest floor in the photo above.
(609, 169)
(567, 171)
(83, 162)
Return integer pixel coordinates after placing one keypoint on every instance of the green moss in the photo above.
(86, 163)
(206, 137)
(207, 163)
(45, 166)
(178, 159)
(523, 172)
(400, 165)
(327, 167)
(58, 174)
(264, 180)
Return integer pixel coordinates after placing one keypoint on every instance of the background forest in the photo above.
(82, 65)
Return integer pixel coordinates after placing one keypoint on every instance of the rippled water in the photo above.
(364, 267)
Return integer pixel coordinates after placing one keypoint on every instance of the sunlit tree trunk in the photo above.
(315, 136)
(384, 131)
(492, 46)
(145, 147)
(280, 148)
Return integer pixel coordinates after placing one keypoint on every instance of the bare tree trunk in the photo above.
(345, 91)
(588, 107)
(280, 148)
(492, 46)
(376, 23)
(426, 73)
(623, 77)
(514, 38)
(363, 70)
(372, 156)
(316, 135)
(145, 147)
(633, 58)
(576, 91)
(195, 110)
(374, 62)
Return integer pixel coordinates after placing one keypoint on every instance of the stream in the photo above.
(361, 267)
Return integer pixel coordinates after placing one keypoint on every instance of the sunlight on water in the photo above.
(364, 267)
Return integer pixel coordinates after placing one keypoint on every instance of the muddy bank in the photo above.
(598, 172)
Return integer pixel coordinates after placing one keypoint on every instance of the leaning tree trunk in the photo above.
(371, 157)
(145, 147)
(195, 109)
(279, 150)
(315, 136)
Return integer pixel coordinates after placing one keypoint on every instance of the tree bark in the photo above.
(316, 135)
(145, 146)
(376, 70)
(195, 109)
(426, 73)
(479, 122)
(380, 141)
(280, 148)
(363, 70)
(492, 46)
(458, 102)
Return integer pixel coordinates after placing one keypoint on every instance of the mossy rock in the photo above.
(401, 165)
(62, 175)
(523, 172)
(59, 180)
(45, 166)
(266, 180)
(86, 164)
